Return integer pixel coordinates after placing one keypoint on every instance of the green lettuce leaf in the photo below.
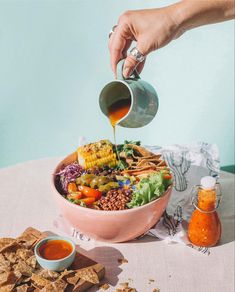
(148, 189)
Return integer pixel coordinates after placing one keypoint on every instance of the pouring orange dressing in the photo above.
(116, 112)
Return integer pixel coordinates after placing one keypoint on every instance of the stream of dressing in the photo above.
(115, 113)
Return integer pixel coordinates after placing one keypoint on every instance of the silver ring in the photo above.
(137, 55)
(112, 30)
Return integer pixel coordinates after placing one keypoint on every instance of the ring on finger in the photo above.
(112, 30)
(134, 52)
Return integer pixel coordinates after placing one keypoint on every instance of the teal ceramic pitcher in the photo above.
(143, 99)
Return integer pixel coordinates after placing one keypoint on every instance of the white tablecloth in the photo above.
(26, 200)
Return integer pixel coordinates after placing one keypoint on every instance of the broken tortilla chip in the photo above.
(7, 288)
(140, 150)
(10, 256)
(22, 288)
(32, 262)
(5, 241)
(11, 247)
(5, 266)
(9, 278)
(23, 268)
(39, 281)
(73, 279)
(66, 273)
(49, 275)
(24, 253)
(57, 286)
(88, 274)
(27, 240)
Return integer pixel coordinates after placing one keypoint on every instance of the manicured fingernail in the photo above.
(126, 72)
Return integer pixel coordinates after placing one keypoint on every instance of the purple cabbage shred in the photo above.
(69, 174)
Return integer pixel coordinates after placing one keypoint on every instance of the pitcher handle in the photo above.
(134, 75)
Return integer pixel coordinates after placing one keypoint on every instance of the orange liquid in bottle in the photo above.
(116, 112)
(205, 228)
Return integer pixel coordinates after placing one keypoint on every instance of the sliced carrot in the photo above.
(88, 201)
(75, 196)
(72, 187)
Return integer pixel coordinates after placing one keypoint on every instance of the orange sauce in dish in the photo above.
(205, 228)
(55, 249)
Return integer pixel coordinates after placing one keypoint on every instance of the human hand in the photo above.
(151, 29)
(155, 28)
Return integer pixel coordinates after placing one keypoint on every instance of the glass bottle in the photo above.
(204, 226)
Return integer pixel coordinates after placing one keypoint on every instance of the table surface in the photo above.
(26, 200)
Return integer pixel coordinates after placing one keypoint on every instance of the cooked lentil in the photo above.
(115, 200)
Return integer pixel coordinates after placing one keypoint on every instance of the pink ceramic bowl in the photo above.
(110, 226)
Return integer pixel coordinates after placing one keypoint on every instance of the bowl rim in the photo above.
(56, 237)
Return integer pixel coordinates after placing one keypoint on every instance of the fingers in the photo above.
(119, 43)
(140, 66)
(131, 63)
(116, 47)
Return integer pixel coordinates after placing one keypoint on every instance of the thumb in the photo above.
(131, 63)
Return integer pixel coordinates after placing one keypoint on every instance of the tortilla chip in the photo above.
(27, 240)
(24, 253)
(21, 288)
(162, 163)
(9, 278)
(33, 232)
(23, 280)
(7, 288)
(32, 262)
(23, 268)
(124, 285)
(57, 286)
(66, 273)
(30, 237)
(104, 286)
(73, 280)
(49, 275)
(5, 266)
(148, 162)
(11, 247)
(140, 171)
(5, 241)
(11, 257)
(3, 278)
(140, 150)
(38, 281)
(88, 274)
(2, 258)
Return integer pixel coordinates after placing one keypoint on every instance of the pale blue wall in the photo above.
(54, 61)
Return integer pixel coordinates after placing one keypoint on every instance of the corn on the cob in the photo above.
(97, 154)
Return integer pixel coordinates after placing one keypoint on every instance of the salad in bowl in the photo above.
(124, 189)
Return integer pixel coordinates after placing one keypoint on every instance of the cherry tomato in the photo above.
(89, 192)
(167, 176)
